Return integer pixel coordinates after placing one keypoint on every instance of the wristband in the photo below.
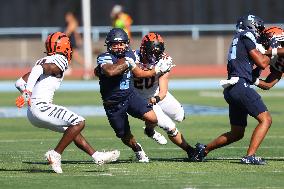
(274, 52)
(256, 82)
(158, 99)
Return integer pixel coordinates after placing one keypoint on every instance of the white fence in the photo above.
(142, 29)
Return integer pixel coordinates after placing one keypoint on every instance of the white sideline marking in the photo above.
(92, 110)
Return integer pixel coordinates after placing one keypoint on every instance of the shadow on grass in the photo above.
(62, 162)
(27, 170)
(237, 160)
(72, 162)
(133, 160)
(170, 159)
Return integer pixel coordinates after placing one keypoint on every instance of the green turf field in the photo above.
(22, 147)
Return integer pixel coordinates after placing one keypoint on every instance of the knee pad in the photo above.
(180, 117)
(166, 123)
(173, 132)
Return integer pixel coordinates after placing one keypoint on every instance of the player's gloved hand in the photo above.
(24, 98)
(260, 48)
(279, 38)
(255, 75)
(256, 72)
(273, 42)
(154, 100)
(130, 62)
(164, 65)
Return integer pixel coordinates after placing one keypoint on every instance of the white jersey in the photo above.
(148, 87)
(42, 112)
(166, 110)
(46, 85)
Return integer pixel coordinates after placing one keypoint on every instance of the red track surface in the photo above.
(182, 71)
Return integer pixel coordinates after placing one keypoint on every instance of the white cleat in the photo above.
(101, 158)
(158, 137)
(54, 159)
(141, 155)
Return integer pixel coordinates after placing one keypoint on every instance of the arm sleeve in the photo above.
(21, 85)
(36, 72)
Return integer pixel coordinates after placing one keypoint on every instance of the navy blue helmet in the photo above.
(117, 35)
(250, 22)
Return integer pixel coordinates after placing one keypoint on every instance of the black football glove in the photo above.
(256, 73)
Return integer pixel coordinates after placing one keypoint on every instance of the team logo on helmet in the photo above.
(152, 47)
(250, 22)
(58, 43)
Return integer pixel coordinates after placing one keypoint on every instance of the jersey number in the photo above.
(140, 83)
(124, 83)
(233, 50)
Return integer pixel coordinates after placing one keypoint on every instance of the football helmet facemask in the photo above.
(152, 47)
(117, 35)
(58, 43)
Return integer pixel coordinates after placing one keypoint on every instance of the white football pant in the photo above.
(51, 116)
(167, 111)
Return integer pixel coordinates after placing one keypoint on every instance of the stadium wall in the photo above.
(189, 55)
(43, 13)
(184, 50)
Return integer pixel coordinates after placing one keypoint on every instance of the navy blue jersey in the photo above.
(240, 64)
(118, 87)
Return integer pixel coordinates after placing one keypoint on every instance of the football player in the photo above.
(38, 87)
(273, 40)
(242, 99)
(155, 90)
(115, 69)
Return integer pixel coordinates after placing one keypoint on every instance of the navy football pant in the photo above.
(134, 105)
(242, 101)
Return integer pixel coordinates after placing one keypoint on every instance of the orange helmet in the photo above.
(152, 47)
(272, 32)
(58, 43)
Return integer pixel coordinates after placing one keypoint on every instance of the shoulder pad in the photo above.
(105, 58)
(250, 35)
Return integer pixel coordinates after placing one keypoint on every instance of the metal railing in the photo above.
(143, 29)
